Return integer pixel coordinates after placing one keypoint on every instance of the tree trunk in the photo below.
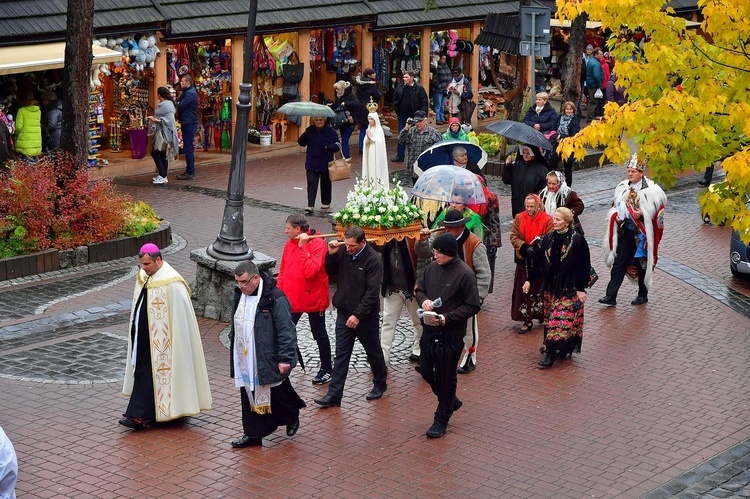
(576, 46)
(76, 76)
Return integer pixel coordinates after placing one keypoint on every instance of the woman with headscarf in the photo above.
(557, 194)
(527, 175)
(375, 156)
(565, 270)
(528, 227)
(346, 101)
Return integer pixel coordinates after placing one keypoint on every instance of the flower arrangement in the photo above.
(369, 205)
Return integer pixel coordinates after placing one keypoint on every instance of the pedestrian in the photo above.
(51, 120)
(367, 92)
(557, 194)
(347, 102)
(359, 272)
(321, 141)
(165, 372)
(263, 349)
(448, 294)
(473, 221)
(417, 136)
(527, 175)
(6, 147)
(568, 124)
(442, 77)
(8, 467)
(606, 72)
(594, 80)
(528, 227)
(187, 113)
(408, 98)
(462, 160)
(29, 127)
(473, 252)
(541, 117)
(459, 95)
(303, 279)
(565, 272)
(614, 92)
(400, 266)
(634, 230)
(164, 123)
(455, 131)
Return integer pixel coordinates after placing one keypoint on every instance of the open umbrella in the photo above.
(441, 182)
(306, 108)
(442, 154)
(520, 132)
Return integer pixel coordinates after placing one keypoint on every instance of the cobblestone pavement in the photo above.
(655, 406)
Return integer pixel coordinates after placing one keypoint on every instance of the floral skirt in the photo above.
(565, 321)
(526, 307)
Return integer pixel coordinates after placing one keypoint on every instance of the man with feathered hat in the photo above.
(634, 230)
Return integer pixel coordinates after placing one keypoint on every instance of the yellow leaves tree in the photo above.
(688, 96)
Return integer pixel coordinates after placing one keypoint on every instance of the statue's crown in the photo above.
(372, 107)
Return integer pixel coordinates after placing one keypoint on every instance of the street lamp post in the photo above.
(231, 244)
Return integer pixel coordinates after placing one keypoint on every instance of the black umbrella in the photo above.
(521, 132)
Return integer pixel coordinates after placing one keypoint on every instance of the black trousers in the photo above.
(320, 335)
(438, 361)
(312, 187)
(160, 158)
(368, 334)
(285, 406)
(626, 245)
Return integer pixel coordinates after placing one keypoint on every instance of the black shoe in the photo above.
(437, 430)
(639, 300)
(396, 159)
(328, 401)
(457, 404)
(375, 393)
(291, 429)
(133, 424)
(466, 368)
(704, 183)
(413, 358)
(608, 301)
(548, 359)
(185, 176)
(245, 441)
(417, 368)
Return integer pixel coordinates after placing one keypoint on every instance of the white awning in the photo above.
(556, 23)
(25, 58)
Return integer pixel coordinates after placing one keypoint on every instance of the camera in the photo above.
(410, 121)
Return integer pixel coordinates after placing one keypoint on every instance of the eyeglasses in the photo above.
(242, 284)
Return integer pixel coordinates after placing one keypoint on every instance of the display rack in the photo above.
(96, 127)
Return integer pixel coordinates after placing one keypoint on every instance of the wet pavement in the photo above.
(655, 406)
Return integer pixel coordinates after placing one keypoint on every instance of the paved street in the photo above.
(656, 404)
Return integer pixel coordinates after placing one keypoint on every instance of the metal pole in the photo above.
(230, 244)
(532, 78)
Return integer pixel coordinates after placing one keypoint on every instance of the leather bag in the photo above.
(339, 168)
(342, 120)
(293, 72)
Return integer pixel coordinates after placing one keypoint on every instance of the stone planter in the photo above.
(51, 260)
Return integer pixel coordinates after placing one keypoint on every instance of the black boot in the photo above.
(549, 354)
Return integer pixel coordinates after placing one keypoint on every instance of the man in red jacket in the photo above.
(303, 279)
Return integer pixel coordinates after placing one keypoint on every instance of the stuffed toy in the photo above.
(452, 51)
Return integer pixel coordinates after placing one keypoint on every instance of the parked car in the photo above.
(739, 255)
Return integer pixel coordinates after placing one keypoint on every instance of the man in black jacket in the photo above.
(452, 282)
(408, 98)
(359, 272)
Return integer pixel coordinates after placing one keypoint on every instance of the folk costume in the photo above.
(526, 228)
(564, 197)
(165, 374)
(631, 246)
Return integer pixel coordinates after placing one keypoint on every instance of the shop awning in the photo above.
(25, 58)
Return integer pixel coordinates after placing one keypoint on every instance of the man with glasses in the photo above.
(358, 271)
(263, 348)
(187, 114)
(452, 282)
(165, 373)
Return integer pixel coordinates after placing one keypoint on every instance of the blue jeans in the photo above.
(362, 134)
(401, 149)
(346, 134)
(438, 105)
(188, 141)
